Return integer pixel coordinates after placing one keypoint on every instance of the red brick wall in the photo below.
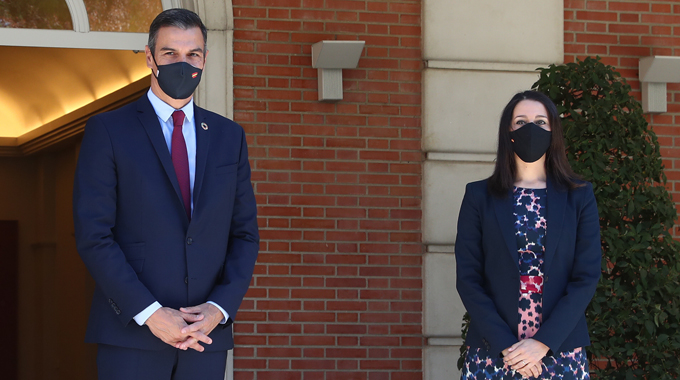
(622, 32)
(337, 291)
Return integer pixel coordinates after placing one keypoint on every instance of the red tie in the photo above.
(180, 160)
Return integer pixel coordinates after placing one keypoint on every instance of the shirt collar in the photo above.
(164, 110)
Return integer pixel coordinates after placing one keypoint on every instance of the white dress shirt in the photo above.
(164, 113)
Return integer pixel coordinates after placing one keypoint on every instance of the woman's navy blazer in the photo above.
(487, 267)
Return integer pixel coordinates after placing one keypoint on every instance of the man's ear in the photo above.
(149, 57)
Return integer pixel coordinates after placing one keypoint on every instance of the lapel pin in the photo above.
(204, 126)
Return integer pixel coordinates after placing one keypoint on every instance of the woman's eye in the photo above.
(520, 122)
(539, 122)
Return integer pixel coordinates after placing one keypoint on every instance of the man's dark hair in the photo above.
(179, 18)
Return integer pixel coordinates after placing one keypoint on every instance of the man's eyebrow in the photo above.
(197, 49)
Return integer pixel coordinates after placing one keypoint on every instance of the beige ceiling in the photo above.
(41, 85)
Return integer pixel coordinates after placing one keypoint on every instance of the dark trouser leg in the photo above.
(121, 363)
(192, 365)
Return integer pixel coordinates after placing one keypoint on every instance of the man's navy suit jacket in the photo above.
(487, 267)
(134, 236)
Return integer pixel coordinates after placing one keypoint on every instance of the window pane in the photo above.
(35, 14)
(122, 15)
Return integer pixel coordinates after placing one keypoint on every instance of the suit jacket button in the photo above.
(190, 240)
(186, 280)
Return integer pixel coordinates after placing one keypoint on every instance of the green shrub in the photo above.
(634, 318)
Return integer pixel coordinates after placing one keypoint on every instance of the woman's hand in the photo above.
(526, 357)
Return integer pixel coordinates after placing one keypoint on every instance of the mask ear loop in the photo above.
(156, 63)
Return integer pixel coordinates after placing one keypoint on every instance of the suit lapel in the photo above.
(557, 201)
(202, 145)
(147, 116)
(504, 214)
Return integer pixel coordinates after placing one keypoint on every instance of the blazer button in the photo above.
(186, 280)
(190, 240)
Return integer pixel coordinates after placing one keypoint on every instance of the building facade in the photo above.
(357, 199)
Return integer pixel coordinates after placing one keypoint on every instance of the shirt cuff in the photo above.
(146, 313)
(224, 313)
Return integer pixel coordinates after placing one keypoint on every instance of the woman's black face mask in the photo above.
(530, 142)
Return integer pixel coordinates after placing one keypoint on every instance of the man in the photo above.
(165, 220)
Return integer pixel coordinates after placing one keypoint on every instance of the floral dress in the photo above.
(530, 233)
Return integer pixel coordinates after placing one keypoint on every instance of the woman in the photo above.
(528, 253)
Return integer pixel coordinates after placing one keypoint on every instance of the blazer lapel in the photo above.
(202, 146)
(147, 116)
(504, 215)
(557, 201)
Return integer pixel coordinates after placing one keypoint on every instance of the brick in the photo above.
(270, 281)
(279, 305)
(313, 353)
(629, 51)
(404, 7)
(312, 247)
(628, 6)
(347, 352)
(348, 282)
(596, 5)
(279, 3)
(346, 305)
(345, 143)
(346, 16)
(278, 211)
(628, 29)
(278, 94)
(409, 19)
(313, 364)
(661, 8)
(379, 341)
(352, 329)
(661, 30)
(625, 17)
(596, 16)
(660, 41)
(290, 188)
(659, 19)
(276, 328)
(372, 17)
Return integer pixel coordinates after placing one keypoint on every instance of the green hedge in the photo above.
(634, 318)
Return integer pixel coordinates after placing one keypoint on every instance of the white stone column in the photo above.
(216, 90)
(478, 54)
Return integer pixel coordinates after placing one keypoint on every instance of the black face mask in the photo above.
(530, 142)
(178, 80)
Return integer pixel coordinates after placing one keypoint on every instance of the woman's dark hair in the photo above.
(556, 164)
(179, 18)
